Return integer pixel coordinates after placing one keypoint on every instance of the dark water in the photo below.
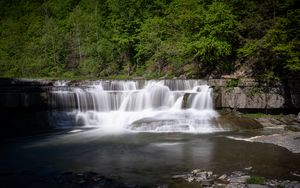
(144, 158)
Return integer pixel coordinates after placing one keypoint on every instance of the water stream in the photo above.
(148, 106)
(141, 132)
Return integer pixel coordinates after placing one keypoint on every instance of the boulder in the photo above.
(295, 128)
(256, 186)
(179, 176)
(239, 122)
(238, 179)
(223, 177)
(207, 182)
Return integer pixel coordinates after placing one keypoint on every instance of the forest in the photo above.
(149, 38)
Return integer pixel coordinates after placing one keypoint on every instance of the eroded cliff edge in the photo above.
(238, 94)
(250, 95)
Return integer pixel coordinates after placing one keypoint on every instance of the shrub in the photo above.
(256, 180)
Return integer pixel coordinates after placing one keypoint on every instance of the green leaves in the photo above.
(210, 49)
(196, 38)
(276, 52)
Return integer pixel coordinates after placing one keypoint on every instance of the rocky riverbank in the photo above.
(236, 179)
(196, 178)
(288, 140)
(281, 130)
(87, 179)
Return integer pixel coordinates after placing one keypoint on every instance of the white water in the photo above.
(140, 106)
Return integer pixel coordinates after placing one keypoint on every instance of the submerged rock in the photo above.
(237, 122)
(69, 179)
(257, 186)
(289, 140)
(248, 168)
(207, 182)
(295, 128)
(236, 179)
(89, 179)
(179, 177)
(223, 177)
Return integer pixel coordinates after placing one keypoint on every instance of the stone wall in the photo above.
(24, 105)
(24, 93)
(249, 94)
(241, 94)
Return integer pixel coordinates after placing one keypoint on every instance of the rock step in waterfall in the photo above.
(141, 106)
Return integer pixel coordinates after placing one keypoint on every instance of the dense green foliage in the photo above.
(256, 180)
(150, 38)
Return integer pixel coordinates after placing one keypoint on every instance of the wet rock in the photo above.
(272, 183)
(248, 168)
(207, 183)
(223, 177)
(239, 122)
(196, 171)
(179, 176)
(238, 173)
(182, 77)
(288, 119)
(67, 173)
(65, 180)
(295, 128)
(89, 180)
(284, 183)
(236, 185)
(96, 179)
(185, 101)
(190, 179)
(269, 122)
(287, 140)
(256, 186)
(239, 179)
(220, 184)
(81, 182)
(79, 174)
(209, 173)
(292, 184)
(298, 116)
(295, 174)
(163, 186)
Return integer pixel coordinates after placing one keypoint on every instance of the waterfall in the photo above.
(138, 106)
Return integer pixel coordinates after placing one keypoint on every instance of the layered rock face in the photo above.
(23, 93)
(25, 104)
(228, 93)
(242, 94)
(249, 94)
(23, 107)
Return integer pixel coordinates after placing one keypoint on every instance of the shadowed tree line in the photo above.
(150, 38)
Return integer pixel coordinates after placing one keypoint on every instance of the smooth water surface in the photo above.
(138, 106)
(140, 133)
(144, 158)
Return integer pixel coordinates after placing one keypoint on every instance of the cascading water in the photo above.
(139, 106)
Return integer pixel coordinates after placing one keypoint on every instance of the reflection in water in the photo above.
(145, 158)
(266, 159)
(151, 106)
(145, 133)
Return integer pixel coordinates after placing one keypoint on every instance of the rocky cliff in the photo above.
(25, 104)
(236, 94)
(243, 94)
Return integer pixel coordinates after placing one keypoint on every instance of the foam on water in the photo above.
(140, 106)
